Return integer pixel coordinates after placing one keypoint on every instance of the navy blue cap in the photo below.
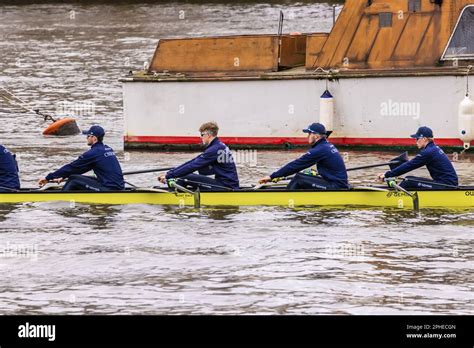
(423, 132)
(97, 131)
(317, 128)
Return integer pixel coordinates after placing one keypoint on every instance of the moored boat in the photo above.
(358, 197)
(390, 66)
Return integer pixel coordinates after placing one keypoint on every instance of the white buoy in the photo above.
(466, 121)
(326, 111)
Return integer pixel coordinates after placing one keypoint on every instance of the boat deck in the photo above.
(296, 73)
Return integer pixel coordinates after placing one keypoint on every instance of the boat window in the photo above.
(414, 5)
(461, 43)
(385, 19)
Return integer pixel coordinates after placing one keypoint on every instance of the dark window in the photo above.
(385, 20)
(461, 44)
(414, 5)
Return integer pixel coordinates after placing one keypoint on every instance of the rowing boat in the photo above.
(361, 197)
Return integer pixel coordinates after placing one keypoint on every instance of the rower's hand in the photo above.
(381, 177)
(42, 182)
(264, 180)
(162, 179)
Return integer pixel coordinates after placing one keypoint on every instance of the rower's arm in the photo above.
(418, 161)
(307, 160)
(201, 161)
(82, 165)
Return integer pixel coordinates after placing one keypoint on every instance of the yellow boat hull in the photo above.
(367, 198)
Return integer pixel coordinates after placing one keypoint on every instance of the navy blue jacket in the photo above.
(215, 160)
(327, 159)
(438, 164)
(102, 160)
(8, 170)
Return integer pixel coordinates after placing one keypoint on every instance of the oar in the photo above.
(207, 185)
(414, 196)
(49, 185)
(269, 184)
(393, 163)
(148, 171)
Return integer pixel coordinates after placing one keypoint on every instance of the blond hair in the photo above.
(210, 127)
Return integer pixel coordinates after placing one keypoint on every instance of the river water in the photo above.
(140, 259)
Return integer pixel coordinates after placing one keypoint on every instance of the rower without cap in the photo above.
(433, 157)
(100, 158)
(216, 160)
(331, 168)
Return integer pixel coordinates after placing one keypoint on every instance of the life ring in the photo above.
(64, 126)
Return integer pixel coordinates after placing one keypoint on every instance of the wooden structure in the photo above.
(229, 53)
(368, 34)
(385, 34)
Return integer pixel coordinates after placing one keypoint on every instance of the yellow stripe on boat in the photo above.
(462, 198)
(436, 199)
(127, 197)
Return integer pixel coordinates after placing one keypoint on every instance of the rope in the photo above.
(12, 99)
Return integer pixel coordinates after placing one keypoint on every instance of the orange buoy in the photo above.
(64, 126)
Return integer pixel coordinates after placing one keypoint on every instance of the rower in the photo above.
(331, 167)
(100, 158)
(9, 179)
(432, 156)
(216, 160)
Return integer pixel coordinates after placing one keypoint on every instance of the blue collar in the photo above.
(431, 143)
(322, 140)
(216, 139)
(97, 143)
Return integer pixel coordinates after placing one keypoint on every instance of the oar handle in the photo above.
(172, 183)
(276, 180)
(393, 184)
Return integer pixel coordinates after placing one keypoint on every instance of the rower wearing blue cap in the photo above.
(433, 157)
(100, 158)
(331, 168)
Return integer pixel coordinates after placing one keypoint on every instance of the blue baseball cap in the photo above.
(97, 131)
(316, 128)
(423, 132)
